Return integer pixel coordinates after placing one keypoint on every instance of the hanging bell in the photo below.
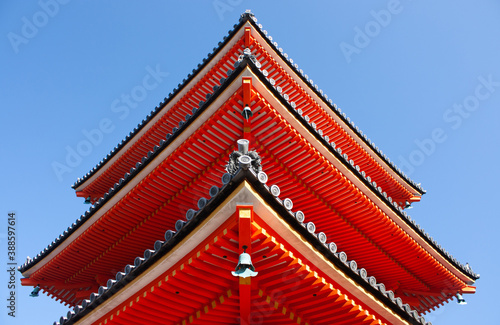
(245, 268)
(460, 299)
(35, 291)
(246, 113)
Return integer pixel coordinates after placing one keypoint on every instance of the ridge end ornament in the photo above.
(234, 163)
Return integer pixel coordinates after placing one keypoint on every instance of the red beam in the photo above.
(59, 285)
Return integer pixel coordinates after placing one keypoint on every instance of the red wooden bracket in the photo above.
(248, 33)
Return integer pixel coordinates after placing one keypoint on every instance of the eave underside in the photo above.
(199, 287)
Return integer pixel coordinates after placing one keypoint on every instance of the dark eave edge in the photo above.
(356, 170)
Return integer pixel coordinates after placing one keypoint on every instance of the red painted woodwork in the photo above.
(200, 289)
(308, 105)
(315, 185)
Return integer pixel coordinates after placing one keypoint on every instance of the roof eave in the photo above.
(395, 212)
(179, 92)
(249, 177)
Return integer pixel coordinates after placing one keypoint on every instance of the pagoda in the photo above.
(247, 197)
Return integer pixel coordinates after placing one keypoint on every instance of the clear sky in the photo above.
(421, 78)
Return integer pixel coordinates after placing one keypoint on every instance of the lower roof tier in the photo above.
(188, 278)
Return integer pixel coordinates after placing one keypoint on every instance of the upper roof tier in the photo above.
(307, 98)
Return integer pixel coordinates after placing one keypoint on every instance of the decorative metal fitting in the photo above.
(253, 161)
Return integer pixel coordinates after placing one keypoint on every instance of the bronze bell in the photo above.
(247, 113)
(245, 267)
(35, 291)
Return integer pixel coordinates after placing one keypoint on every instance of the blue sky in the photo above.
(421, 78)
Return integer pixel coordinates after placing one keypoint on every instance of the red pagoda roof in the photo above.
(316, 156)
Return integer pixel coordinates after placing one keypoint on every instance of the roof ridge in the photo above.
(128, 176)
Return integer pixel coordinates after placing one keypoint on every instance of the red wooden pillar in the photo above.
(248, 38)
(245, 218)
